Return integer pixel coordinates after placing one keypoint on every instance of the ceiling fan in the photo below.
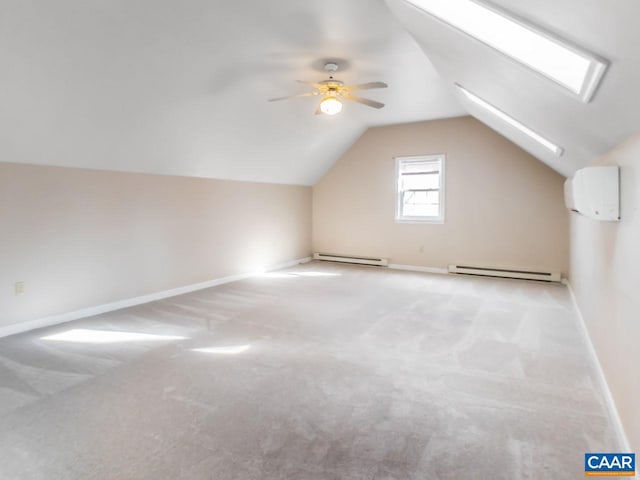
(334, 91)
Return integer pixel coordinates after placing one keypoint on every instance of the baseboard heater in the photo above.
(498, 272)
(380, 262)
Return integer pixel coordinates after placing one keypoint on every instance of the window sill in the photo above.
(428, 221)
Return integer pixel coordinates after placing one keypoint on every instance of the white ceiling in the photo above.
(180, 87)
(586, 131)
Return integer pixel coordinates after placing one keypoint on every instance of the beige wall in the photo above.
(81, 238)
(504, 208)
(605, 275)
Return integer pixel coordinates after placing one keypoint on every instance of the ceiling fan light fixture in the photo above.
(330, 105)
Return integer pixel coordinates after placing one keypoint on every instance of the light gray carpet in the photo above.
(320, 372)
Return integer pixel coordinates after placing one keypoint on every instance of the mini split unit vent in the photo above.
(380, 262)
(503, 273)
(594, 193)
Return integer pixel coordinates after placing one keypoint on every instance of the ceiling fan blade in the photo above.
(367, 86)
(364, 101)
(311, 84)
(310, 94)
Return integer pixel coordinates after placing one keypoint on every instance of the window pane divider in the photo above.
(419, 173)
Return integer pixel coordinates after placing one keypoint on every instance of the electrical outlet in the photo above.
(19, 288)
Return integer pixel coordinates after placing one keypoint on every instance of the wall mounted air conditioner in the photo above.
(595, 193)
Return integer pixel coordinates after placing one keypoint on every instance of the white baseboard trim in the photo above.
(415, 268)
(49, 321)
(602, 380)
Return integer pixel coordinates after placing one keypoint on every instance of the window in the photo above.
(420, 196)
(557, 150)
(576, 70)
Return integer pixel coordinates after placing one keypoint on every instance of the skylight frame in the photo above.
(594, 73)
(556, 149)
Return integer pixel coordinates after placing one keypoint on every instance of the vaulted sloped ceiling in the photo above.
(608, 29)
(181, 87)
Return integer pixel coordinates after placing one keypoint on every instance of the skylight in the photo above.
(576, 70)
(82, 335)
(557, 150)
(230, 350)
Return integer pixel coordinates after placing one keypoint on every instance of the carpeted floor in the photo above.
(318, 372)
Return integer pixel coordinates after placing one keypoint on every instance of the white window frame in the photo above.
(418, 159)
